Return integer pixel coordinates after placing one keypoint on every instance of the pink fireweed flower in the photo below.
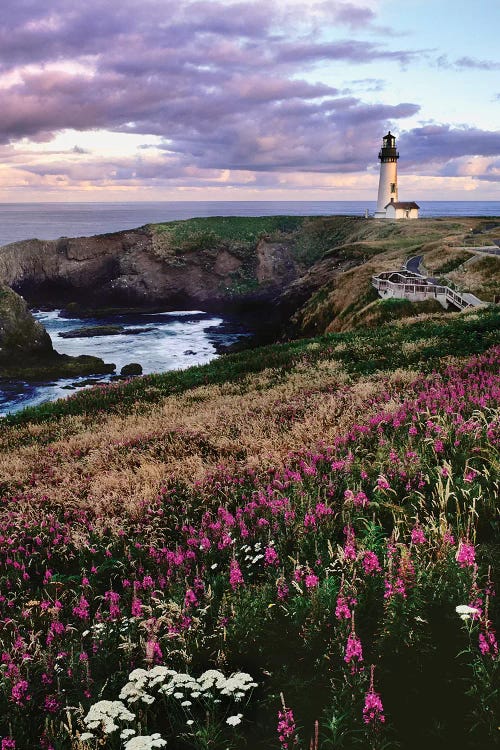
(371, 564)
(190, 599)
(309, 520)
(19, 693)
(298, 575)
(359, 500)
(51, 704)
(82, 610)
(342, 611)
(488, 643)
(271, 557)
(56, 628)
(235, 575)
(153, 651)
(282, 590)
(448, 538)
(382, 483)
(353, 652)
(466, 554)
(470, 475)
(136, 609)
(349, 496)
(417, 535)
(349, 547)
(8, 743)
(113, 598)
(393, 588)
(286, 729)
(373, 710)
(311, 580)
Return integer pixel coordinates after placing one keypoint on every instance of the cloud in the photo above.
(227, 87)
(467, 63)
(221, 84)
(440, 143)
(347, 51)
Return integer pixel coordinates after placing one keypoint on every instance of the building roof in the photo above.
(403, 204)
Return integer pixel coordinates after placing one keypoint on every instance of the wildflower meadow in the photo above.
(332, 588)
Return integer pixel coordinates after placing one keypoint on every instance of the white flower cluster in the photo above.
(102, 715)
(211, 686)
(140, 680)
(145, 742)
(253, 555)
(184, 687)
(233, 721)
(466, 612)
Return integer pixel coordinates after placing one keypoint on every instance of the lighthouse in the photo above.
(388, 181)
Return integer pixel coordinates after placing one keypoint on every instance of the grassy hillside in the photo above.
(270, 546)
(346, 251)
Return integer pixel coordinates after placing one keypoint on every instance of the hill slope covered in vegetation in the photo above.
(261, 551)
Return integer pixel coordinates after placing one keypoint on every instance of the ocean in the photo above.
(166, 341)
(49, 221)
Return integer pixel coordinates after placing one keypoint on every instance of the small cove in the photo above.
(167, 341)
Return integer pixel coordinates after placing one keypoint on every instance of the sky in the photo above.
(143, 100)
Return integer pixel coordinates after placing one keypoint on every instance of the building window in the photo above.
(393, 187)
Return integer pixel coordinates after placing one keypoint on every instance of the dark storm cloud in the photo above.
(440, 143)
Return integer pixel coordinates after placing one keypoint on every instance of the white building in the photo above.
(388, 206)
(402, 210)
(388, 180)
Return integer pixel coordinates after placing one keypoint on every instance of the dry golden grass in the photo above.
(256, 422)
(481, 276)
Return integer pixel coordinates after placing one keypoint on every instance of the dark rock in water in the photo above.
(134, 368)
(111, 330)
(68, 387)
(241, 345)
(189, 351)
(84, 383)
(20, 334)
(26, 351)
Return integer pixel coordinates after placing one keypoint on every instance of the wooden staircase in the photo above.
(417, 288)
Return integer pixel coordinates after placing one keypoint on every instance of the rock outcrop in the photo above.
(20, 334)
(26, 350)
(125, 269)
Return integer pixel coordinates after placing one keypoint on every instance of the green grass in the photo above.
(236, 232)
(421, 345)
(453, 264)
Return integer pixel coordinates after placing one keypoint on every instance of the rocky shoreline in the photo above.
(26, 350)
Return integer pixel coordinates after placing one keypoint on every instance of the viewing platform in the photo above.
(415, 287)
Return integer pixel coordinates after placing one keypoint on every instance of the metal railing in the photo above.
(403, 287)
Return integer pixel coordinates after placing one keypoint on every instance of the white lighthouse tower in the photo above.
(388, 182)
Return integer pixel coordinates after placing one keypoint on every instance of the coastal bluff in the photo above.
(287, 274)
(133, 268)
